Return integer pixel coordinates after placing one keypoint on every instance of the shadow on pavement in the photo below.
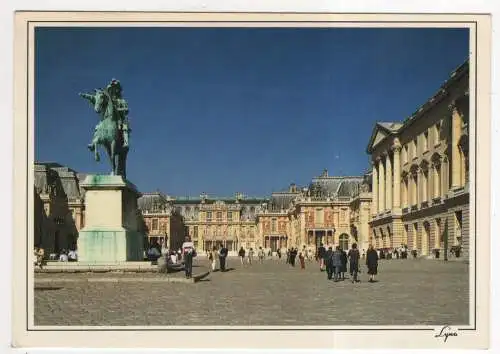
(47, 288)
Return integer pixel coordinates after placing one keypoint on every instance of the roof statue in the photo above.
(112, 131)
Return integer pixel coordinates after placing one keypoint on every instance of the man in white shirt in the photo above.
(188, 252)
(72, 256)
(63, 257)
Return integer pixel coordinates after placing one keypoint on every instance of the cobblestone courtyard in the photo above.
(409, 292)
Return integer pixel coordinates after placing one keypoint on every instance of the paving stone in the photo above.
(409, 292)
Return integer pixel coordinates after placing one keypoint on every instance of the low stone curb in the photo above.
(159, 279)
(96, 270)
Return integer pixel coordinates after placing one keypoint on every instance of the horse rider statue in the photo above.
(113, 130)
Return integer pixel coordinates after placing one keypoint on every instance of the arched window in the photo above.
(344, 241)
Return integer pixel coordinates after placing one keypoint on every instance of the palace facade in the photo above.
(59, 211)
(421, 174)
(331, 210)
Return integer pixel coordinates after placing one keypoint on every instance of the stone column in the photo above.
(417, 187)
(411, 193)
(388, 180)
(381, 193)
(456, 127)
(374, 188)
(396, 200)
(436, 185)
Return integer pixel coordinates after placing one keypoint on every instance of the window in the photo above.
(344, 242)
(154, 225)
(273, 225)
(437, 132)
(343, 215)
(415, 148)
(219, 216)
(426, 140)
(229, 216)
(209, 216)
(319, 216)
(195, 231)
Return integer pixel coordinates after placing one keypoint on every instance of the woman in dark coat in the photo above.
(343, 258)
(372, 262)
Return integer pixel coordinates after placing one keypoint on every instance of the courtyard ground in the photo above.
(409, 292)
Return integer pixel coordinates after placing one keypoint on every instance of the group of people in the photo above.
(335, 262)
(221, 254)
(63, 256)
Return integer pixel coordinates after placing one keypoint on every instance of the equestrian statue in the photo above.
(112, 131)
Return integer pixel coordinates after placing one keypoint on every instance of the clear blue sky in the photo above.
(226, 110)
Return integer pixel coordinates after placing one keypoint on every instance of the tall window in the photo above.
(209, 216)
(219, 216)
(154, 225)
(343, 216)
(273, 225)
(405, 153)
(426, 140)
(344, 241)
(195, 231)
(405, 191)
(415, 148)
(229, 216)
(319, 216)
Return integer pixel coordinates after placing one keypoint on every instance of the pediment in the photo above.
(378, 135)
(378, 138)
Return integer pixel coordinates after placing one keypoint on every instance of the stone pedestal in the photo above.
(111, 233)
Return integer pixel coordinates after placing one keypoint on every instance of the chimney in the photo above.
(325, 173)
(293, 188)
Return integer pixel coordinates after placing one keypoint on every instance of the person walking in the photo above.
(241, 253)
(321, 255)
(329, 263)
(372, 262)
(212, 257)
(302, 260)
(222, 258)
(354, 262)
(337, 263)
(343, 258)
(250, 256)
(293, 255)
(188, 253)
(261, 255)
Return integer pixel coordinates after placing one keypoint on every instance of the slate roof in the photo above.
(152, 201)
(63, 178)
(281, 200)
(338, 186)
